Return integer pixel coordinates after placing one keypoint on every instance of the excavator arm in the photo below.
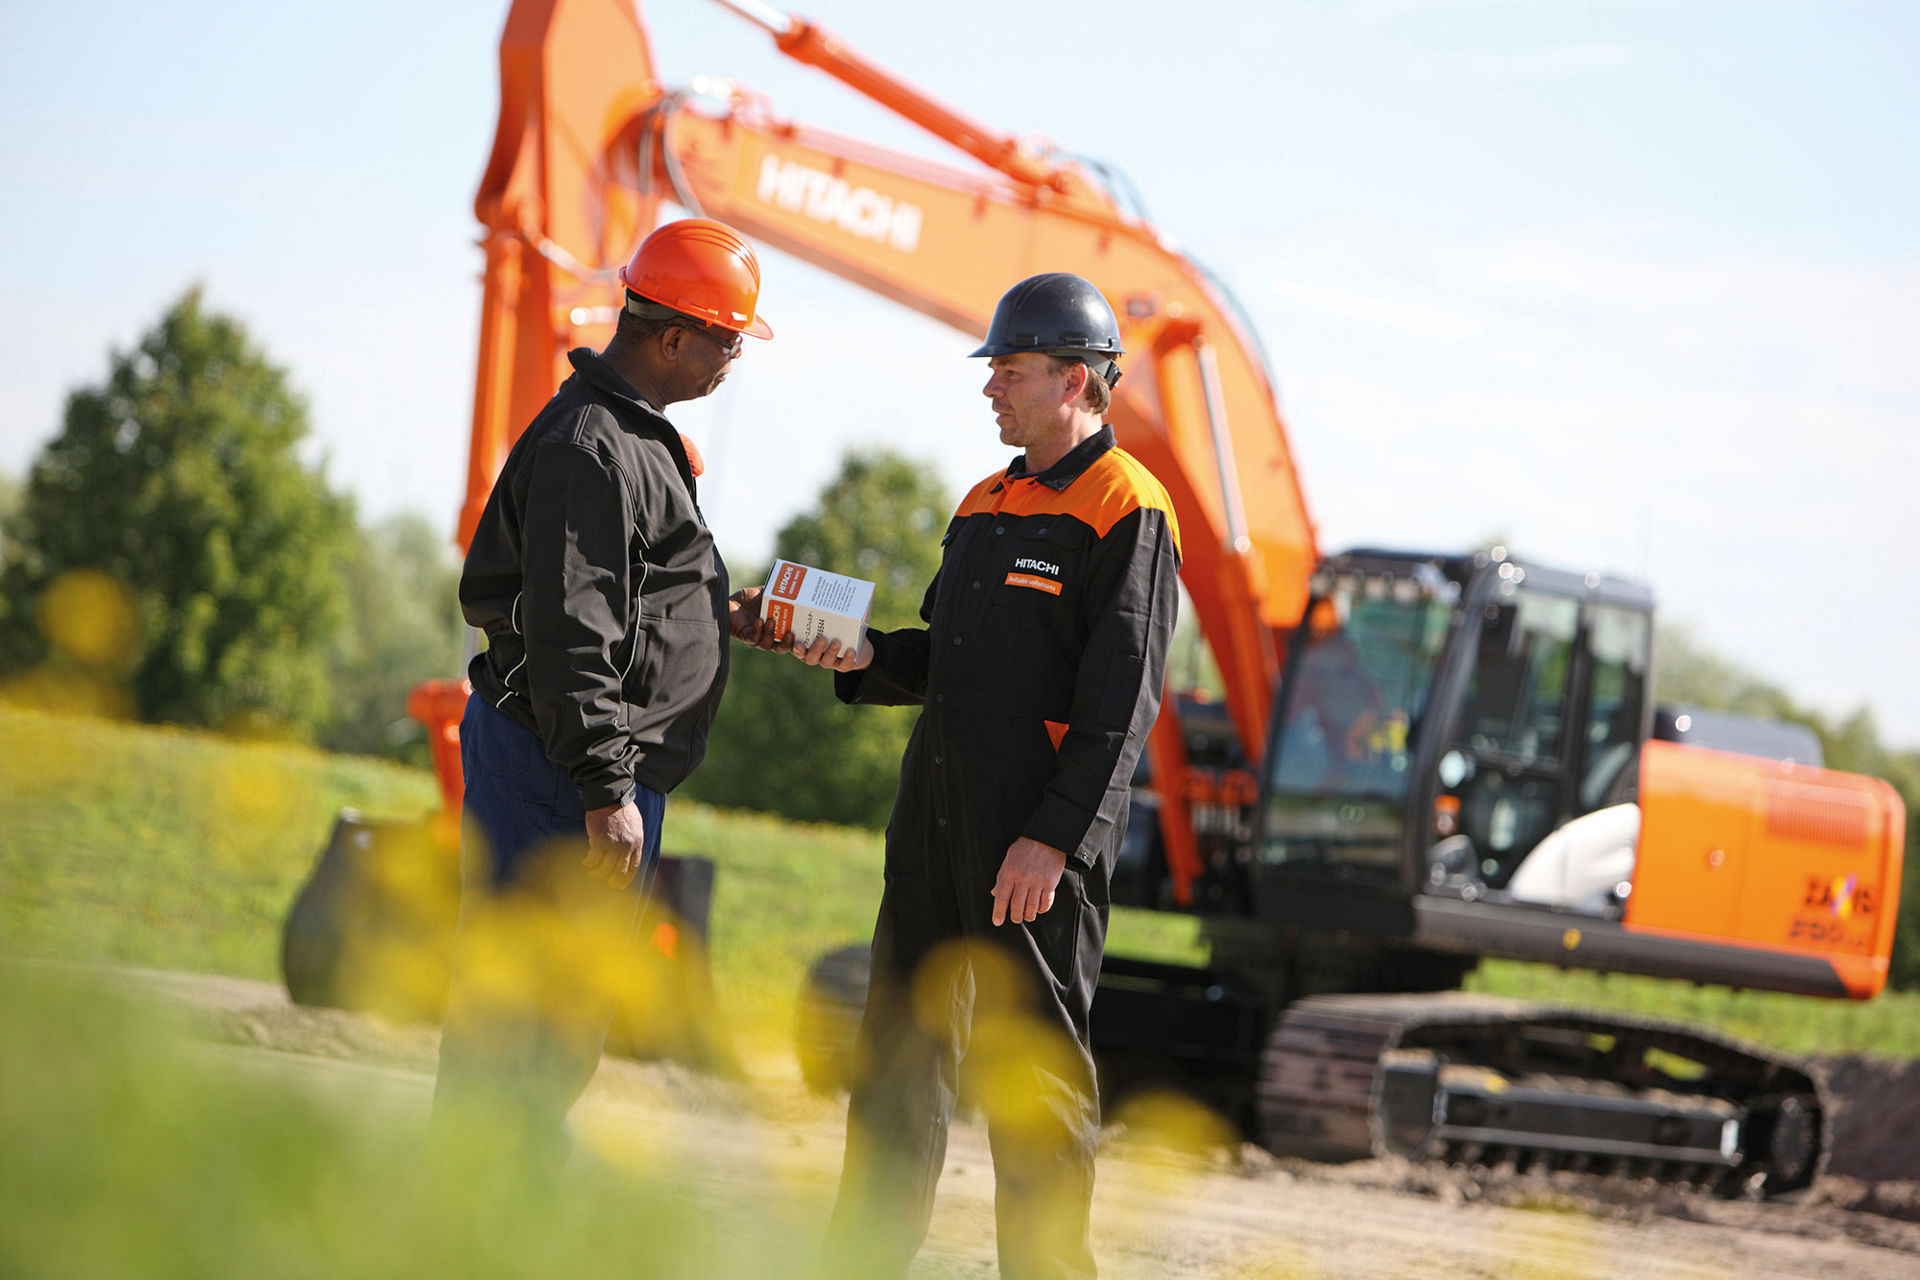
(590, 143)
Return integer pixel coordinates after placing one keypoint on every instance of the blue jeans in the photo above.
(542, 947)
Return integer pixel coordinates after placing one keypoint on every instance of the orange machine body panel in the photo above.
(1779, 857)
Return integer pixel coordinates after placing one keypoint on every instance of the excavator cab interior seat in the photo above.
(1502, 819)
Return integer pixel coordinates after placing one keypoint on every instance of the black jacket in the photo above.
(1041, 664)
(600, 590)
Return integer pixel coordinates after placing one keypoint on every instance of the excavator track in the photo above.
(1485, 1082)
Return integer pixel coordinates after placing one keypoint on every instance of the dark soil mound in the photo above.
(1876, 1127)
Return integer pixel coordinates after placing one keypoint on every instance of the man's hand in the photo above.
(616, 842)
(826, 653)
(743, 618)
(1024, 890)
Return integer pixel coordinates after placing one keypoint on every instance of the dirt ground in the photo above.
(1235, 1214)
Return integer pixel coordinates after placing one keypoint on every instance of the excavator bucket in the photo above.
(373, 930)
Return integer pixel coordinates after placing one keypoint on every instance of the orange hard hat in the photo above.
(701, 268)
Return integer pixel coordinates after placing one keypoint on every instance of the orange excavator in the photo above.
(1419, 760)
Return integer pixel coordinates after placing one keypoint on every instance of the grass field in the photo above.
(133, 1152)
(165, 847)
(183, 850)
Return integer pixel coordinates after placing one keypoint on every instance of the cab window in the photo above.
(1619, 642)
(1516, 705)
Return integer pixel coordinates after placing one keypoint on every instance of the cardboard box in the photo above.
(808, 603)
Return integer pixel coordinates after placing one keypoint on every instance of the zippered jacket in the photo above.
(1041, 664)
(600, 590)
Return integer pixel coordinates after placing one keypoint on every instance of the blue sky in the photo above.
(1634, 283)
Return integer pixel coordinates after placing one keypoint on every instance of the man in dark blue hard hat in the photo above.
(1039, 674)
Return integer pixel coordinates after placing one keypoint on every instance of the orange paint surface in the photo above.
(1782, 857)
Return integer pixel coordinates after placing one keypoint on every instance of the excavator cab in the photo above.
(1465, 760)
(1458, 728)
(1447, 721)
(1441, 717)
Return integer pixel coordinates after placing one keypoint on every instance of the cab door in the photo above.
(1505, 776)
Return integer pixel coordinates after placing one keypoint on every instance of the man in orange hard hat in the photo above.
(606, 611)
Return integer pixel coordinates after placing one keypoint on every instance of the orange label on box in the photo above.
(787, 581)
(1047, 585)
(779, 618)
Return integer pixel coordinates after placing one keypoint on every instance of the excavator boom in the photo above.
(584, 156)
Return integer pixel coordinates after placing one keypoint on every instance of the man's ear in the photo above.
(671, 339)
(1077, 374)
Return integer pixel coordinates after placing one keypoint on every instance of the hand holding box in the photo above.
(803, 603)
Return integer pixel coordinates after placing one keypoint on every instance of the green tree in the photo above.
(1690, 673)
(402, 583)
(1904, 773)
(12, 493)
(175, 500)
(783, 743)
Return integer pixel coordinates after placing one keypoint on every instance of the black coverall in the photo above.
(1040, 673)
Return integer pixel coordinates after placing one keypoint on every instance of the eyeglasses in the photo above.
(731, 343)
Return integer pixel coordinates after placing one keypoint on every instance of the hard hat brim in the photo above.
(1008, 349)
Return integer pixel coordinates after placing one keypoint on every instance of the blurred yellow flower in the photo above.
(90, 617)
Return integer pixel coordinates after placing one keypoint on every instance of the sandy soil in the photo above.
(1237, 1214)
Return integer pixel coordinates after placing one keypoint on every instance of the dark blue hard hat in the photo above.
(1057, 314)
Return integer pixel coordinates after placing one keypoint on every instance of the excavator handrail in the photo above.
(813, 44)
